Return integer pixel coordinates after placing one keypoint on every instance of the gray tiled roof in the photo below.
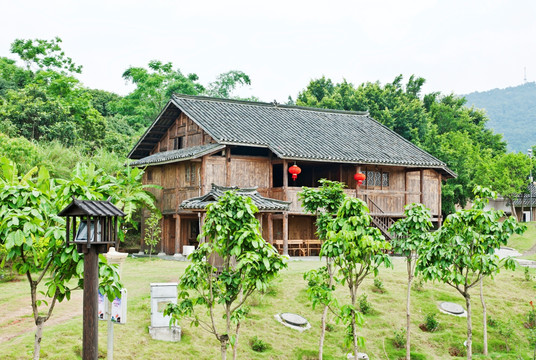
(529, 198)
(91, 208)
(180, 154)
(263, 203)
(296, 133)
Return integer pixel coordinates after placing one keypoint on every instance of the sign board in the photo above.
(116, 310)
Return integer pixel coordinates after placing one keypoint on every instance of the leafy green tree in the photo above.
(410, 232)
(225, 83)
(153, 231)
(154, 87)
(20, 151)
(323, 202)
(508, 175)
(248, 264)
(462, 251)
(12, 76)
(33, 237)
(357, 249)
(45, 54)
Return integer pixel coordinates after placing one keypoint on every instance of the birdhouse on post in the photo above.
(92, 226)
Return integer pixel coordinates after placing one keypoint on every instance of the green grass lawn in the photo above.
(507, 296)
(525, 241)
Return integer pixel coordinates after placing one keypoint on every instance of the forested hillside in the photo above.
(48, 118)
(511, 112)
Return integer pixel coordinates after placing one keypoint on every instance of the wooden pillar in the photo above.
(439, 212)
(227, 166)
(405, 188)
(421, 200)
(285, 179)
(164, 234)
(340, 172)
(90, 334)
(270, 228)
(178, 240)
(285, 233)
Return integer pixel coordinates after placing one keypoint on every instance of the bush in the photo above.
(430, 322)
(364, 305)
(506, 331)
(259, 345)
(492, 322)
(531, 317)
(378, 286)
(399, 340)
(330, 327)
(418, 283)
(528, 276)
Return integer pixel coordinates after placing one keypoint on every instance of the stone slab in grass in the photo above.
(452, 309)
(293, 321)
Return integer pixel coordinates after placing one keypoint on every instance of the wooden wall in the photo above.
(241, 171)
(187, 130)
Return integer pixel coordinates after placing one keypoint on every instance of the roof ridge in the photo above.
(267, 104)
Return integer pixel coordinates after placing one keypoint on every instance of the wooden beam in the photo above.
(405, 187)
(178, 240)
(227, 166)
(285, 179)
(421, 200)
(285, 233)
(270, 228)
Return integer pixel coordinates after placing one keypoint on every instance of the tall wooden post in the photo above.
(178, 239)
(285, 233)
(270, 228)
(421, 200)
(90, 346)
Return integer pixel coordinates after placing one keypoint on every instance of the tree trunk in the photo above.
(469, 327)
(324, 314)
(235, 347)
(408, 313)
(223, 344)
(485, 318)
(512, 206)
(322, 333)
(354, 325)
(38, 336)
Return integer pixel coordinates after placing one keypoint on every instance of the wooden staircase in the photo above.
(381, 220)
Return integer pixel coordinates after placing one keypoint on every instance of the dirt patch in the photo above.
(20, 322)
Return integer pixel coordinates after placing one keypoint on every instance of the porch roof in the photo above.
(178, 155)
(262, 203)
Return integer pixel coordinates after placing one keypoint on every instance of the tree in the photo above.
(323, 202)
(248, 263)
(225, 83)
(508, 175)
(410, 232)
(45, 54)
(34, 240)
(152, 232)
(357, 248)
(462, 251)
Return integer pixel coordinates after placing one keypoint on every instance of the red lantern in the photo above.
(294, 170)
(359, 177)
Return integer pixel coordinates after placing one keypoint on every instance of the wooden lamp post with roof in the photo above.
(92, 226)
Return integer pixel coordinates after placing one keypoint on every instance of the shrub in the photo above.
(430, 322)
(364, 305)
(506, 331)
(399, 339)
(330, 327)
(531, 317)
(378, 286)
(259, 345)
(492, 322)
(528, 276)
(418, 283)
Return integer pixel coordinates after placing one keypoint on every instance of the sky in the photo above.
(458, 46)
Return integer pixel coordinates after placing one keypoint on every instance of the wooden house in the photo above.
(198, 146)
